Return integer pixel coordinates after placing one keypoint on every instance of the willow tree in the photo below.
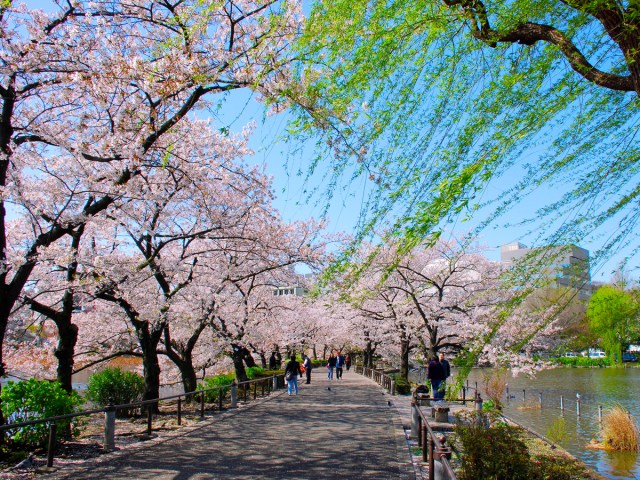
(613, 317)
(433, 101)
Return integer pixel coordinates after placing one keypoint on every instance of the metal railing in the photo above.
(385, 381)
(434, 448)
(244, 390)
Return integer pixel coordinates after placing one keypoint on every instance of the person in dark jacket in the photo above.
(331, 366)
(291, 373)
(308, 366)
(339, 365)
(435, 374)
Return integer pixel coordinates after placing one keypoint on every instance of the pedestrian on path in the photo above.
(435, 374)
(347, 362)
(291, 374)
(339, 365)
(308, 366)
(331, 365)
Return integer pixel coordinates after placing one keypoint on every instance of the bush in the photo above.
(117, 385)
(582, 361)
(495, 453)
(403, 387)
(557, 432)
(217, 381)
(255, 372)
(35, 399)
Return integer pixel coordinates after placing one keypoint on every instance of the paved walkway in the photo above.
(352, 431)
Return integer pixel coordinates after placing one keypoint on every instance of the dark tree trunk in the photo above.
(237, 355)
(149, 338)
(405, 349)
(65, 350)
(248, 358)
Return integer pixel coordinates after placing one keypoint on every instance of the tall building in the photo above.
(564, 265)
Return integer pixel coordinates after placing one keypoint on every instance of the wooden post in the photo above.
(201, 404)
(179, 411)
(600, 413)
(561, 403)
(52, 444)
(220, 399)
(234, 394)
(109, 428)
(149, 418)
(430, 459)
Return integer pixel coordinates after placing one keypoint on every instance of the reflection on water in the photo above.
(596, 386)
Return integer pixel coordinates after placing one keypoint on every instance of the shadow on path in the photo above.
(347, 432)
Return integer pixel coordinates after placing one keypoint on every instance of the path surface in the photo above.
(349, 432)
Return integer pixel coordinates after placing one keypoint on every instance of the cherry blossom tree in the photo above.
(89, 91)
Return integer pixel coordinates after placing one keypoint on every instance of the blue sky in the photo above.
(344, 209)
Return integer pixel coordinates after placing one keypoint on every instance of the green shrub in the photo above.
(217, 381)
(255, 372)
(34, 399)
(557, 432)
(403, 387)
(495, 453)
(489, 405)
(117, 385)
(582, 361)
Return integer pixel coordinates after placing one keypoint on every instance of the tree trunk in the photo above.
(237, 355)
(248, 358)
(67, 339)
(405, 349)
(148, 339)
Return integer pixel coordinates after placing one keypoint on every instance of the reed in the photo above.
(619, 430)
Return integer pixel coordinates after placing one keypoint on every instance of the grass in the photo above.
(619, 430)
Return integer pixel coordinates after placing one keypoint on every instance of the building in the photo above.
(564, 265)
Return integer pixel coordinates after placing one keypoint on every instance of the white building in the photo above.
(564, 265)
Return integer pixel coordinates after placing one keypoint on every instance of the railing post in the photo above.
(234, 394)
(420, 444)
(275, 383)
(427, 454)
(255, 390)
(578, 404)
(52, 444)
(415, 415)
(393, 387)
(201, 404)
(464, 395)
(179, 411)
(109, 427)
(478, 402)
(220, 399)
(561, 403)
(149, 417)
(600, 413)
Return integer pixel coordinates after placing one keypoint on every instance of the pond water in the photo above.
(596, 386)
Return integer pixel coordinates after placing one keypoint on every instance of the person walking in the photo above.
(347, 362)
(339, 366)
(446, 370)
(331, 365)
(435, 374)
(308, 365)
(291, 374)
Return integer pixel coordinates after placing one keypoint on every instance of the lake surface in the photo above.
(596, 386)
